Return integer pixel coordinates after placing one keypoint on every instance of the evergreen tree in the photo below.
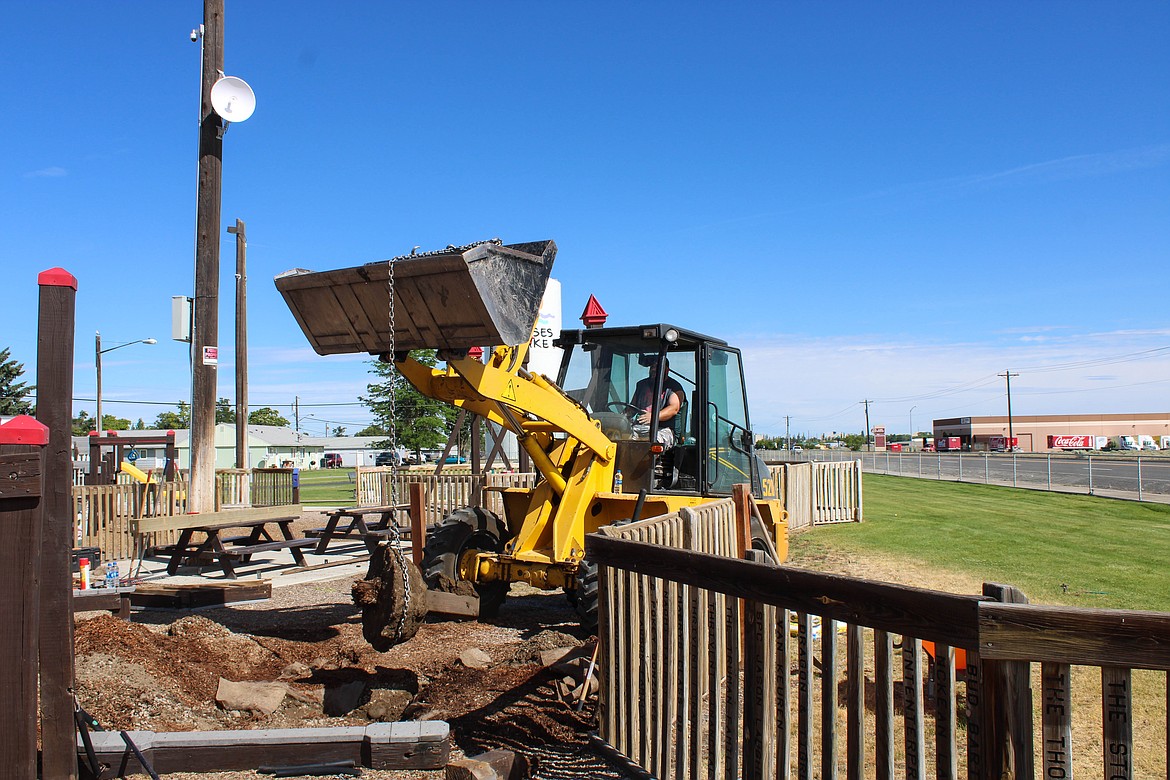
(12, 392)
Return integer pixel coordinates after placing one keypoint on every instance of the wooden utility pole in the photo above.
(58, 297)
(205, 349)
(241, 345)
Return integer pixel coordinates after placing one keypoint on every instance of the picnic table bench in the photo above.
(358, 527)
(227, 550)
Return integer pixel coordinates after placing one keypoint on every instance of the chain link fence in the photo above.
(1132, 477)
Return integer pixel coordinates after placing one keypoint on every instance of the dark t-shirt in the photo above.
(644, 392)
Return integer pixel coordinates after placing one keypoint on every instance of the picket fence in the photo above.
(698, 650)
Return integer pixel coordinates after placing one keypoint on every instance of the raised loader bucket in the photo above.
(480, 296)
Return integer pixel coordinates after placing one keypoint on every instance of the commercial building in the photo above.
(1032, 431)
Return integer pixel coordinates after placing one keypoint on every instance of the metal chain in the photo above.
(449, 249)
(393, 541)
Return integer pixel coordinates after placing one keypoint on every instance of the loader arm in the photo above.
(574, 458)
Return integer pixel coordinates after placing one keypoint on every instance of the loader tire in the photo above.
(585, 601)
(470, 528)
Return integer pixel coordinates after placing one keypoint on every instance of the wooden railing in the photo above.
(819, 493)
(698, 651)
(445, 492)
(104, 513)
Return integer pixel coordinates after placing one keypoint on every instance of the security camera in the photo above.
(194, 36)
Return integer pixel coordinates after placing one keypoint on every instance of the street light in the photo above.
(912, 408)
(98, 352)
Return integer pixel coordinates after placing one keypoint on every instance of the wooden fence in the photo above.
(715, 667)
(819, 493)
(445, 492)
(104, 513)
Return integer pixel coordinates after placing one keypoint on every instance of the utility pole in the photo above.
(297, 413)
(205, 346)
(241, 345)
(787, 435)
(867, 402)
(1008, 376)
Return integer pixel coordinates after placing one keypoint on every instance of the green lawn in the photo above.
(1111, 554)
(327, 487)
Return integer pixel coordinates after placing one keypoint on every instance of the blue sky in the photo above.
(891, 201)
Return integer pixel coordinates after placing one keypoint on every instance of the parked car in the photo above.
(454, 459)
(385, 459)
(332, 460)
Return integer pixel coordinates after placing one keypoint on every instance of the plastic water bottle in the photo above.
(112, 574)
(617, 481)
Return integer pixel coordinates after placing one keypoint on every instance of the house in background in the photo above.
(269, 447)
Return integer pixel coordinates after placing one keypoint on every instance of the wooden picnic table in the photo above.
(228, 549)
(359, 527)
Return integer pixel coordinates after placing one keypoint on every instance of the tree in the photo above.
(224, 413)
(338, 431)
(420, 423)
(82, 424)
(12, 392)
(373, 430)
(266, 415)
(112, 423)
(173, 421)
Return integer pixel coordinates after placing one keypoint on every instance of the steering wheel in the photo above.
(622, 407)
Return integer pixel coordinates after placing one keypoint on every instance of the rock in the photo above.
(493, 765)
(387, 704)
(555, 655)
(474, 658)
(343, 698)
(255, 697)
(295, 671)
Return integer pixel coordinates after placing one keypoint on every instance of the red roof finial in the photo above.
(594, 316)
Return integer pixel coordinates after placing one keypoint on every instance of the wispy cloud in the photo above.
(52, 172)
(817, 384)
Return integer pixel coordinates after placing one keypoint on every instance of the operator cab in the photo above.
(709, 446)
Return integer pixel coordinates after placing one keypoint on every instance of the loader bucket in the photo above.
(483, 296)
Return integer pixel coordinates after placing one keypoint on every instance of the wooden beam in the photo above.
(20, 542)
(1074, 635)
(940, 617)
(55, 329)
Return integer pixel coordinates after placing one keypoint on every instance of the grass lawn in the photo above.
(327, 487)
(1109, 553)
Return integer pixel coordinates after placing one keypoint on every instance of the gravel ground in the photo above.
(160, 672)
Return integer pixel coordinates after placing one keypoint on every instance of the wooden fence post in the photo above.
(55, 328)
(418, 521)
(1007, 692)
(22, 454)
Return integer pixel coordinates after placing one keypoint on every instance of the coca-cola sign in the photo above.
(1070, 442)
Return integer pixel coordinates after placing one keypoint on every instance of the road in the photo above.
(1092, 473)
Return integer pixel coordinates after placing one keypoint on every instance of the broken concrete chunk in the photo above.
(257, 697)
(474, 658)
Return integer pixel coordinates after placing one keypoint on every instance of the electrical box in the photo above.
(181, 318)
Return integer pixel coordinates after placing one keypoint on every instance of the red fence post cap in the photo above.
(57, 277)
(23, 429)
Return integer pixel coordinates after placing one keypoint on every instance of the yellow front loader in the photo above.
(580, 428)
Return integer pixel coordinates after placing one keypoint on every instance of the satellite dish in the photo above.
(233, 99)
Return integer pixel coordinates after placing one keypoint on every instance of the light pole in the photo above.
(912, 408)
(97, 354)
